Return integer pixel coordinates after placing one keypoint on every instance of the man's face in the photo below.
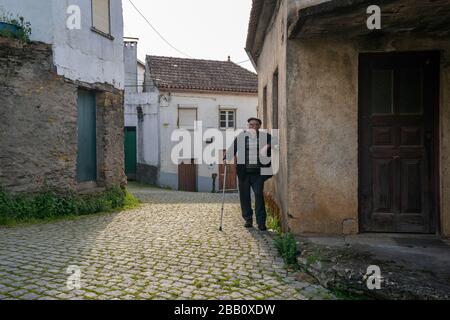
(254, 125)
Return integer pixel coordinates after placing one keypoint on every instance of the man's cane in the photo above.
(223, 196)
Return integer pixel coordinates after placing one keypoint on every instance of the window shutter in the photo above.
(100, 15)
(187, 118)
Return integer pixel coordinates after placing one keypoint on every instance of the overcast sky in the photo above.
(204, 29)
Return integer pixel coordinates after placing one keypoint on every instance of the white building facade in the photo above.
(209, 109)
(91, 49)
(178, 92)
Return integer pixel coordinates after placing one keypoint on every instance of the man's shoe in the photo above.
(262, 228)
(248, 225)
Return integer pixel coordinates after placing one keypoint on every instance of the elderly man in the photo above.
(251, 147)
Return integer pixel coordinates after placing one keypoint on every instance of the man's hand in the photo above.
(265, 151)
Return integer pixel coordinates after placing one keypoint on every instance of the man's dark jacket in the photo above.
(241, 168)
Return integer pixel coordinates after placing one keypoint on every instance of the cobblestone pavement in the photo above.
(170, 248)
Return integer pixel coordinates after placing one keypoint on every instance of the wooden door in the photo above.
(231, 182)
(87, 137)
(130, 152)
(187, 176)
(398, 138)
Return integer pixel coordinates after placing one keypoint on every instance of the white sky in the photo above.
(203, 29)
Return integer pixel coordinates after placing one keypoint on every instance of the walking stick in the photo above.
(223, 196)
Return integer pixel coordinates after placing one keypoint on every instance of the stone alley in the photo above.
(169, 248)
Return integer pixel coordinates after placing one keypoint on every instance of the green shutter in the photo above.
(87, 137)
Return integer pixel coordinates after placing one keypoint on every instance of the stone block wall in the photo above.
(38, 123)
(110, 139)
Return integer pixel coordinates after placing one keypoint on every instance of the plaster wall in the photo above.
(208, 106)
(273, 57)
(323, 136)
(81, 55)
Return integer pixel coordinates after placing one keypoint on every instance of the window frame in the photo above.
(227, 120)
(275, 100)
(94, 29)
(264, 105)
(178, 117)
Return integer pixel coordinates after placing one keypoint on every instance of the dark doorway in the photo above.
(130, 153)
(87, 137)
(187, 176)
(398, 139)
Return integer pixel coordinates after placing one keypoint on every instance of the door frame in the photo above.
(435, 218)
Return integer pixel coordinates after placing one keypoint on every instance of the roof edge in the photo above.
(260, 17)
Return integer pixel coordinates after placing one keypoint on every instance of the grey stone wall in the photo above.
(316, 189)
(323, 139)
(273, 57)
(38, 123)
(110, 139)
(147, 174)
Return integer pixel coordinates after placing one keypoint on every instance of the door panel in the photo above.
(383, 185)
(411, 187)
(231, 183)
(130, 152)
(398, 132)
(187, 176)
(87, 137)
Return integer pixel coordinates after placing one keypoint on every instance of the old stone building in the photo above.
(61, 99)
(364, 115)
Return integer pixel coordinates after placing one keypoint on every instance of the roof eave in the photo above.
(348, 17)
(260, 17)
(210, 91)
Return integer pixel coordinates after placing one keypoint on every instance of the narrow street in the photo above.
(169, 248)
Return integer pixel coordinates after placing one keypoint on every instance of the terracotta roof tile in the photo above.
(196, 74)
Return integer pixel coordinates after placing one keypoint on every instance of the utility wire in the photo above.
(159, 34)
(243, 61)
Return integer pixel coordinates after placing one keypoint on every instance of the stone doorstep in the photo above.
(344, 267)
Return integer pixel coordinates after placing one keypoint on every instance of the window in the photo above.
(187, 118)
(101, 16)
(275, 100)
(227, 119)
(264, 115)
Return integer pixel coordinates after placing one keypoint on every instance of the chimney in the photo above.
(130, 64)
(229, 58)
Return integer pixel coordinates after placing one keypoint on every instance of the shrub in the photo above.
(49, 204)
(24, 26)
(287, 248)
(273, 222)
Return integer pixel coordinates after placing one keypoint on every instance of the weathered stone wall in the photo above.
(147, 174)
(38, 120)
(323, 136)
(38, 123)
(323, 130)
(273, 57)
(110, 139)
